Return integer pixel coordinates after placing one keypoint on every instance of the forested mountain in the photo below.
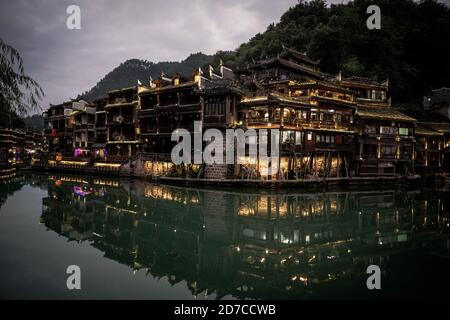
(34, 122)
(128, 72)
(411, 48)
(14, 120)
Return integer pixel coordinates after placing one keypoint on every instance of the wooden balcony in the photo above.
(48, 133)
(125, 137)
(84, 126)
(298, 123)
(124, 120)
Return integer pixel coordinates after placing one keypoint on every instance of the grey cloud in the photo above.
(67, 62)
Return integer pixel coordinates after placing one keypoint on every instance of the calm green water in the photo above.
(134, 239)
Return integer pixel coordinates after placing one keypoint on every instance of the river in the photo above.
(134, 239)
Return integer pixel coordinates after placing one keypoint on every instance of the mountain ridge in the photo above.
(130, 71)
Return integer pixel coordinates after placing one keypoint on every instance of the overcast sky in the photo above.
(67, 62)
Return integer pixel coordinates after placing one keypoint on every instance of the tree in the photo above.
(19, 93)
(411, 49)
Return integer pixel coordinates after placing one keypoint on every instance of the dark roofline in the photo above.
(361, 81)
(286, 51)
(170, 87)
(326, 84)
(133, 88)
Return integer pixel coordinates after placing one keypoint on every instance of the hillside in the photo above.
(411, 48)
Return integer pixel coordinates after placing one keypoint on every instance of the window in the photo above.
(215, 106)
(304, 114)
(288, 137)
(325, 139)
(328, 117)
(370, 129)
(388, 150)
(377, 95)
(388, 130)
(404, 131)
(309, 136)
(298, 138)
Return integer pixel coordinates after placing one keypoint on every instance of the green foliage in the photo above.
(411, 48)
(353, 67)
(19, 93)
(34, 122)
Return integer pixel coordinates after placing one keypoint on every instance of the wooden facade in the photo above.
(7, 151)
(167, 104)
(122, 124)
(444, 130)
(83, 129)
(100, 129)
(330, 126)
(427, 150)
(384, 142)
(58, 128)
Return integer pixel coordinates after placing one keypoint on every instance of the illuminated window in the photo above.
(388, 130)
(404, 131)
(298, 138)
(307, 239)
(288, 137)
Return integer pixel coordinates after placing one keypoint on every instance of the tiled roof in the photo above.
(296, 66)
(273, 97)
(134, 88)
(424, 131)
(382, 113)
(144, 90)
(299, 55)
(440, 127)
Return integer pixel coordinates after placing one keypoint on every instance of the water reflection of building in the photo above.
(10, 185)
(244, 245)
